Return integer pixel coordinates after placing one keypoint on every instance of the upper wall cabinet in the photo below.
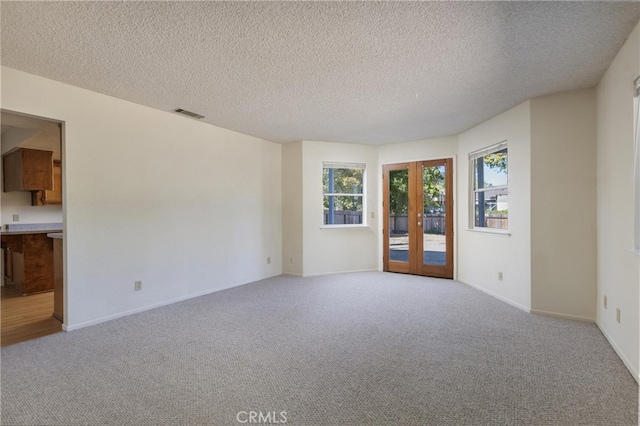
(41, 198)
(27, 170)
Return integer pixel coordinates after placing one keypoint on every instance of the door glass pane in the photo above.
(398, 215)
(434, 215)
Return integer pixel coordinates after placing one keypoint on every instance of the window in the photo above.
(490, 190)
(636, 168)
(343, 193)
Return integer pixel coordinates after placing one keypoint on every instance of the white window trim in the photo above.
(472, 191)
(493, 231)
(349, 225)
(346, 165)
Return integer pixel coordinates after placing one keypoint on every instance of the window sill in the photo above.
(632, 251)
(497, 232)
(343, 226)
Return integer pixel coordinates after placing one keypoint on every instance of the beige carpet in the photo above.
(352, 349)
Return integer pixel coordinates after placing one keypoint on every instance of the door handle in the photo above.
(419, 223)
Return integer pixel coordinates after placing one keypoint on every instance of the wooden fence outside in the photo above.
(344, 217)
(497, 221)
(435, 223)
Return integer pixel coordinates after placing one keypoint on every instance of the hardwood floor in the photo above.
(26, 317)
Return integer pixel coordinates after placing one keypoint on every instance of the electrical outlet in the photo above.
(269, 260)
(138, 285)
(618, 315)
(499, 276)
(604, 301)
(16, 218)
(291, 260)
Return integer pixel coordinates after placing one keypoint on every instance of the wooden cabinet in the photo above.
(27, 170)
(41, 198)
(13, 260)
(58, 280)
(28, 262)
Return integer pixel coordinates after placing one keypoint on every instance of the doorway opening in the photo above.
(418, 218)
(32, 220)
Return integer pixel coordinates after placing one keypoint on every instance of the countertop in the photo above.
(31, 228)
(30, 231)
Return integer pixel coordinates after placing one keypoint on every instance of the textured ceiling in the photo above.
(366, 72)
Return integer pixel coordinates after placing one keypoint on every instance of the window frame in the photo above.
(473, 157)
(362, 194)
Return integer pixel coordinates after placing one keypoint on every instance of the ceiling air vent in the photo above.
(188, 113)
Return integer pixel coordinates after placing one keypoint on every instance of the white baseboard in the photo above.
(497, 296)
(292, 274)
(621, 355)
(565, 316)
(339, 272)
(153, 306)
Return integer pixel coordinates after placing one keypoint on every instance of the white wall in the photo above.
(292, 262)
(19, 202)
(186, 207)
(563, 204)
(618, 267)
(337, 249)
(428, 149)
(482, 255)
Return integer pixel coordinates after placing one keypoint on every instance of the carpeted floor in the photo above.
(352, 349)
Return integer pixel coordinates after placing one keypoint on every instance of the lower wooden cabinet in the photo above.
(58, 280)
(28, 260)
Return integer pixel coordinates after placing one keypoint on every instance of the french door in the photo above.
(418, 218)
